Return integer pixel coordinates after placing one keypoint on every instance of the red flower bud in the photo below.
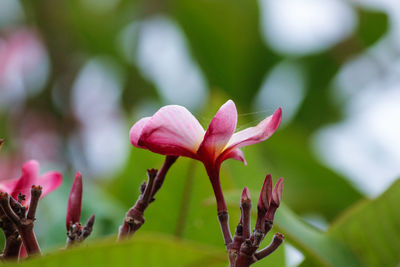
(75, 202)
(265, 194)
(275, 201)
(277, 192)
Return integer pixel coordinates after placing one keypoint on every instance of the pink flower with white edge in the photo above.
(174, 131)
(30, 176)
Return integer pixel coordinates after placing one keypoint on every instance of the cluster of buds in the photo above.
(242, 250)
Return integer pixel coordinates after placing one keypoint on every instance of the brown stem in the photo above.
(12, 238)
(276, 242)
(12, 246)
(88, 228)
(5, 205)
(268, 226)
(223, 218)
(158, 182)
(24, 224)
(77, 234)
(246, 210)
(28, 237)
(245, 257)
(147, 194)
(134, 218)
(36, 192)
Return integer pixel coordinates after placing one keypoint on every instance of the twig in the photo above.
(276, 242)
(23, 223)
(246, 209)
(134, 218)
(12, 238)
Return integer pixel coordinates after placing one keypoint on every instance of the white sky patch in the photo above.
(293, 257)
(103, 137)
(163, 57)
(283, 87)
(305, 26)
(366, 146)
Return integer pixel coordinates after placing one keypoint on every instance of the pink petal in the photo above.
(256, 134)
(219, 132)
(236, 154)
(8, 185)
(23, 185)
(49, 181)
(74, 207)
(22, 253)
(136, 131)
(174, 131)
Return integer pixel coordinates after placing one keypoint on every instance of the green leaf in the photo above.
(371, 229)
(143, 250)
(372, 26)
(315, 244)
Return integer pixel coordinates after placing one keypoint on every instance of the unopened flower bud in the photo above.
(74, 201)
(245, 195)
(275, 201)
(277, 192)
(265, 194)
(263, 202)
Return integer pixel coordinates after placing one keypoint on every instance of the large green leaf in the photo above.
(144, 250)
(322, 249)
(371, 229)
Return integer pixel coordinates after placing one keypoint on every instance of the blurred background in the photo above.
(75, 75)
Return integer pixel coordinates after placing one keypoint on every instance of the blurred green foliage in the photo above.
(224, 38)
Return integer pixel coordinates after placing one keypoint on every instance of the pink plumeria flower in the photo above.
(174, 131)
(30, 176)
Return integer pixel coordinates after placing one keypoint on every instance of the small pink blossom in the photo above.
(30, 176)
(174, 131)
